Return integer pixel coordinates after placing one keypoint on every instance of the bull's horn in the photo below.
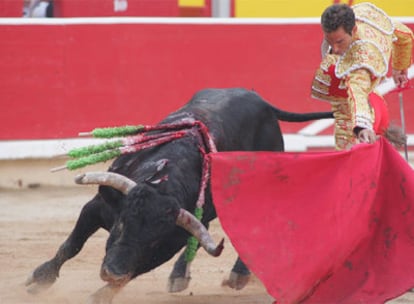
(190, 223)
(114, 180)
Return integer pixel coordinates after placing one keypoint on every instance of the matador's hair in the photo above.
(338, 15)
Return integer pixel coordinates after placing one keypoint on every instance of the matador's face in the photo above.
(338, 40)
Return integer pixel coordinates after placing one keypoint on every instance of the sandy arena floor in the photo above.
(34, 222)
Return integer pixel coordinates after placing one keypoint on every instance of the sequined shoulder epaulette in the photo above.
(374, 16)
(362, 54)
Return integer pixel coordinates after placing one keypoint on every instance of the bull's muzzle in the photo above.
(114, 279)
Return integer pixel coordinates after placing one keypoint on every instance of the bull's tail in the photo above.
(300, 117)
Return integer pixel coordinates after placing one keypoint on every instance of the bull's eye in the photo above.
(158, 181)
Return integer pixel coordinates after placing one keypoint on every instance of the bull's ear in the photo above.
(160, 164)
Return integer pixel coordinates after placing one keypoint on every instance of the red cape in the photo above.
(331, 227)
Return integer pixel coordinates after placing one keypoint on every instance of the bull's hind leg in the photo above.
(90, 220)
(239, 276)
(180, 277)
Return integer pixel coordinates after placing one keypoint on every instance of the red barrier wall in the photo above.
(57, 80)
(11, 8)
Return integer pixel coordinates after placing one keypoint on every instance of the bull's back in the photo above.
(237, 119)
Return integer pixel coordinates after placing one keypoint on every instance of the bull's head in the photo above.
(147, 217)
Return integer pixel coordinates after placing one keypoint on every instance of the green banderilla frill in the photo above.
(192, 242)
(92, 159)
(117, 131)
(86, 151)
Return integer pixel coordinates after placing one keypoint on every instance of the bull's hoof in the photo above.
(34, 287)
(42, 278)
(178, 284)
(236, 281)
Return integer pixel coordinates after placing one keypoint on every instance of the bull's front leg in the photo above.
(89, 221)
(180, 276)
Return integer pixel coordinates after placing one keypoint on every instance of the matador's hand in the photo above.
(367, 136)
(400, 77)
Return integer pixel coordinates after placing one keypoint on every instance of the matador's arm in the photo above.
(359, 87)
(402, 46)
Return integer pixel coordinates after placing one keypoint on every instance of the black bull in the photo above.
(146, 213)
